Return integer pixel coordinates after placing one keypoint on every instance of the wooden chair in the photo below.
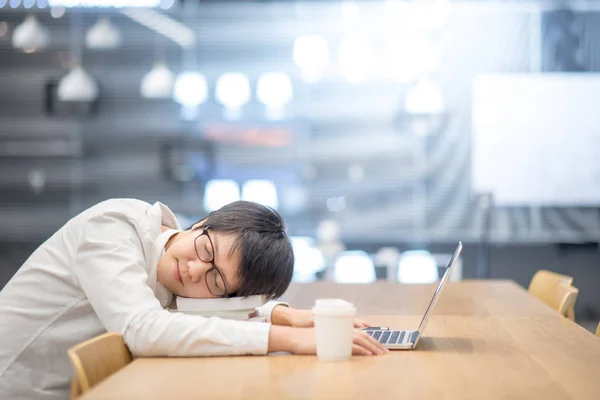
(96, 359)
(547, 287)
(568, 295)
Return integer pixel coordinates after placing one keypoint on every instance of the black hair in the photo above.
(265, 250)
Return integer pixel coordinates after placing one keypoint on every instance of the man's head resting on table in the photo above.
(239, 250)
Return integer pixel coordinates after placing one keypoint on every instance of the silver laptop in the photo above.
(407, 340)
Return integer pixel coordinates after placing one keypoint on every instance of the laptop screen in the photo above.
(443, 281)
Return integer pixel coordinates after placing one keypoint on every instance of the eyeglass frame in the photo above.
(225, 294)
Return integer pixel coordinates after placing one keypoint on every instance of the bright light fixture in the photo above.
(190, 89)
(158, 83)
(219, 192)
(432, 14)
(78, 85)
(425, 97)
(103, 3)
(311, 55)
(354, 266)
(355, 57)
(274, 89)
(262, 191)
(308, 260)
(233, 89)
(103, 35)
(30, 35)
(417, 266)
(57, 12)
(408, 59)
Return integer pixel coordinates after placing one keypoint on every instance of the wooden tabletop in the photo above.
(477, 356)
(469, 297)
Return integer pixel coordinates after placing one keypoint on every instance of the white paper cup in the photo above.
(334, 326)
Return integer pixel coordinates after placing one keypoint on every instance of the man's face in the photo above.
(184, 273)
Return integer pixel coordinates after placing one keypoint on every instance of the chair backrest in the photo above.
(544, 285)
(308, 260)
(417, 266)
(96, 359)
(569, 297)
(75, 388)
(354, 266)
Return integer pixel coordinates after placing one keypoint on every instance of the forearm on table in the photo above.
(280, 338)
(280, 315)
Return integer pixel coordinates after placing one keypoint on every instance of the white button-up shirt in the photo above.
(97, 274)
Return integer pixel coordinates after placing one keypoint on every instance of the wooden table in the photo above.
(469, 297)
(523, 352)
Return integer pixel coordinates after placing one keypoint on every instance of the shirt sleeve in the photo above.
(266, 309)
(110, 267)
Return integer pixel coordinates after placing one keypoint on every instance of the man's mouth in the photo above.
(177, 273)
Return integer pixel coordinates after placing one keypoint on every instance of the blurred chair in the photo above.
(598, 330)
(308, 260)
(442, 260)
(354, 267)
(543, 286)
(417, 266)
(543, 278)
(389, 257)
(567, 304)
(95, 359)
(329, 243)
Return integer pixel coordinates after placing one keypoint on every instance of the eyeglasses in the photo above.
(206, 252)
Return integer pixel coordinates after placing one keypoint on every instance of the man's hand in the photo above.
(287, 316)
(303, 341)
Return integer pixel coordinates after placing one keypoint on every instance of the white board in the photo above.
(536, 138)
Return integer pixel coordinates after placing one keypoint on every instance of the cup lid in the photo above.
(333, 307)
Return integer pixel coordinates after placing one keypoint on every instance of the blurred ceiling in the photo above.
(350, 144)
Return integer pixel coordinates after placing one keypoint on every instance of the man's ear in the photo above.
(198, 224)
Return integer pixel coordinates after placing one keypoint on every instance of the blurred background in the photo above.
(383, 131)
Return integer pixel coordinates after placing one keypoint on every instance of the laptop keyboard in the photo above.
(394, 337)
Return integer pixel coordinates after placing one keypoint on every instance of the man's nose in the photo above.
(197, 269)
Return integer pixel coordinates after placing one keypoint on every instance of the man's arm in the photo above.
(287, 316)
(303, 341)
(281, 315)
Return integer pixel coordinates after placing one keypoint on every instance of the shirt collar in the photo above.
(168, 219)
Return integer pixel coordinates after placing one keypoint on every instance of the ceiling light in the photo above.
(262, 191)
(158, 83)
(190, 89)
(355, 56)
(103, 35)
(30, 35)
(57, 12)
(77, 85)
(311, 55)
(274, 89)
(104, 3)
(425, 97)
(233, 90)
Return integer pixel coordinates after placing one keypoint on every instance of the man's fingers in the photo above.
(359, 323)
(360, 351)
(363, 324)
(365, 340)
